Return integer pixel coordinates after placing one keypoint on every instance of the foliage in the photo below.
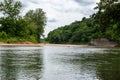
(105, 23)
(3, 35)
(10, 8)
(77, 32)
(14, 27)
(108, 17)
(37, 19)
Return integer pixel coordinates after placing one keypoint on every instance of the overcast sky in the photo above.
(60, 12)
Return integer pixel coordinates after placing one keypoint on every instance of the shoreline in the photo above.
(49, 44)
(41, 44)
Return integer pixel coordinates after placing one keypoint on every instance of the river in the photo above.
(59, 63)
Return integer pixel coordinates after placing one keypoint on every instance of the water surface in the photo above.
(59, 63)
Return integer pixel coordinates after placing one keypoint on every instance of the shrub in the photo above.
(3, 35)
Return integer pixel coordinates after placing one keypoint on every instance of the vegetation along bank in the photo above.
(104, 24)
(14, 27)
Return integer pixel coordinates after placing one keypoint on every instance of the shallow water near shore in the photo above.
(59, 63)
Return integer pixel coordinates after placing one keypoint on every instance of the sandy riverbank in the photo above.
(41, 44)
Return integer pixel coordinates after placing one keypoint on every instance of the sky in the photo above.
(60, 12)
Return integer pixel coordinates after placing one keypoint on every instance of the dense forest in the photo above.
(14, 27)
(105, 23)
(77, 32)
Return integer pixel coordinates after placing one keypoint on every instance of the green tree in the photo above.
(77, 32)
(38, 18)
(108, 17)
(14, 27)
(10, 8)
(8, 25)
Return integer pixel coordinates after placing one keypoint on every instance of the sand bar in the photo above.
(38, 45)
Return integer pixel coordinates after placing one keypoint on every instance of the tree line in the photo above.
(14, 27)
(77, 32)
(105, 23)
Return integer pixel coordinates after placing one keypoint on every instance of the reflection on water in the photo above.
(108, 68)
(59, 63)
(20, 63)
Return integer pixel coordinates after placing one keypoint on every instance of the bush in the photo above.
(3, 35)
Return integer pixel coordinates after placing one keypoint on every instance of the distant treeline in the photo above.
(77, 32)
(105, 23)
(14, 27)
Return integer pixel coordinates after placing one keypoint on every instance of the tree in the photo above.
(108, 17)
(10, 8)
(77, 32)
(39, 19)
(12, 25)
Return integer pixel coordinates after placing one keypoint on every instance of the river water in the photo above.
(59, 63)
